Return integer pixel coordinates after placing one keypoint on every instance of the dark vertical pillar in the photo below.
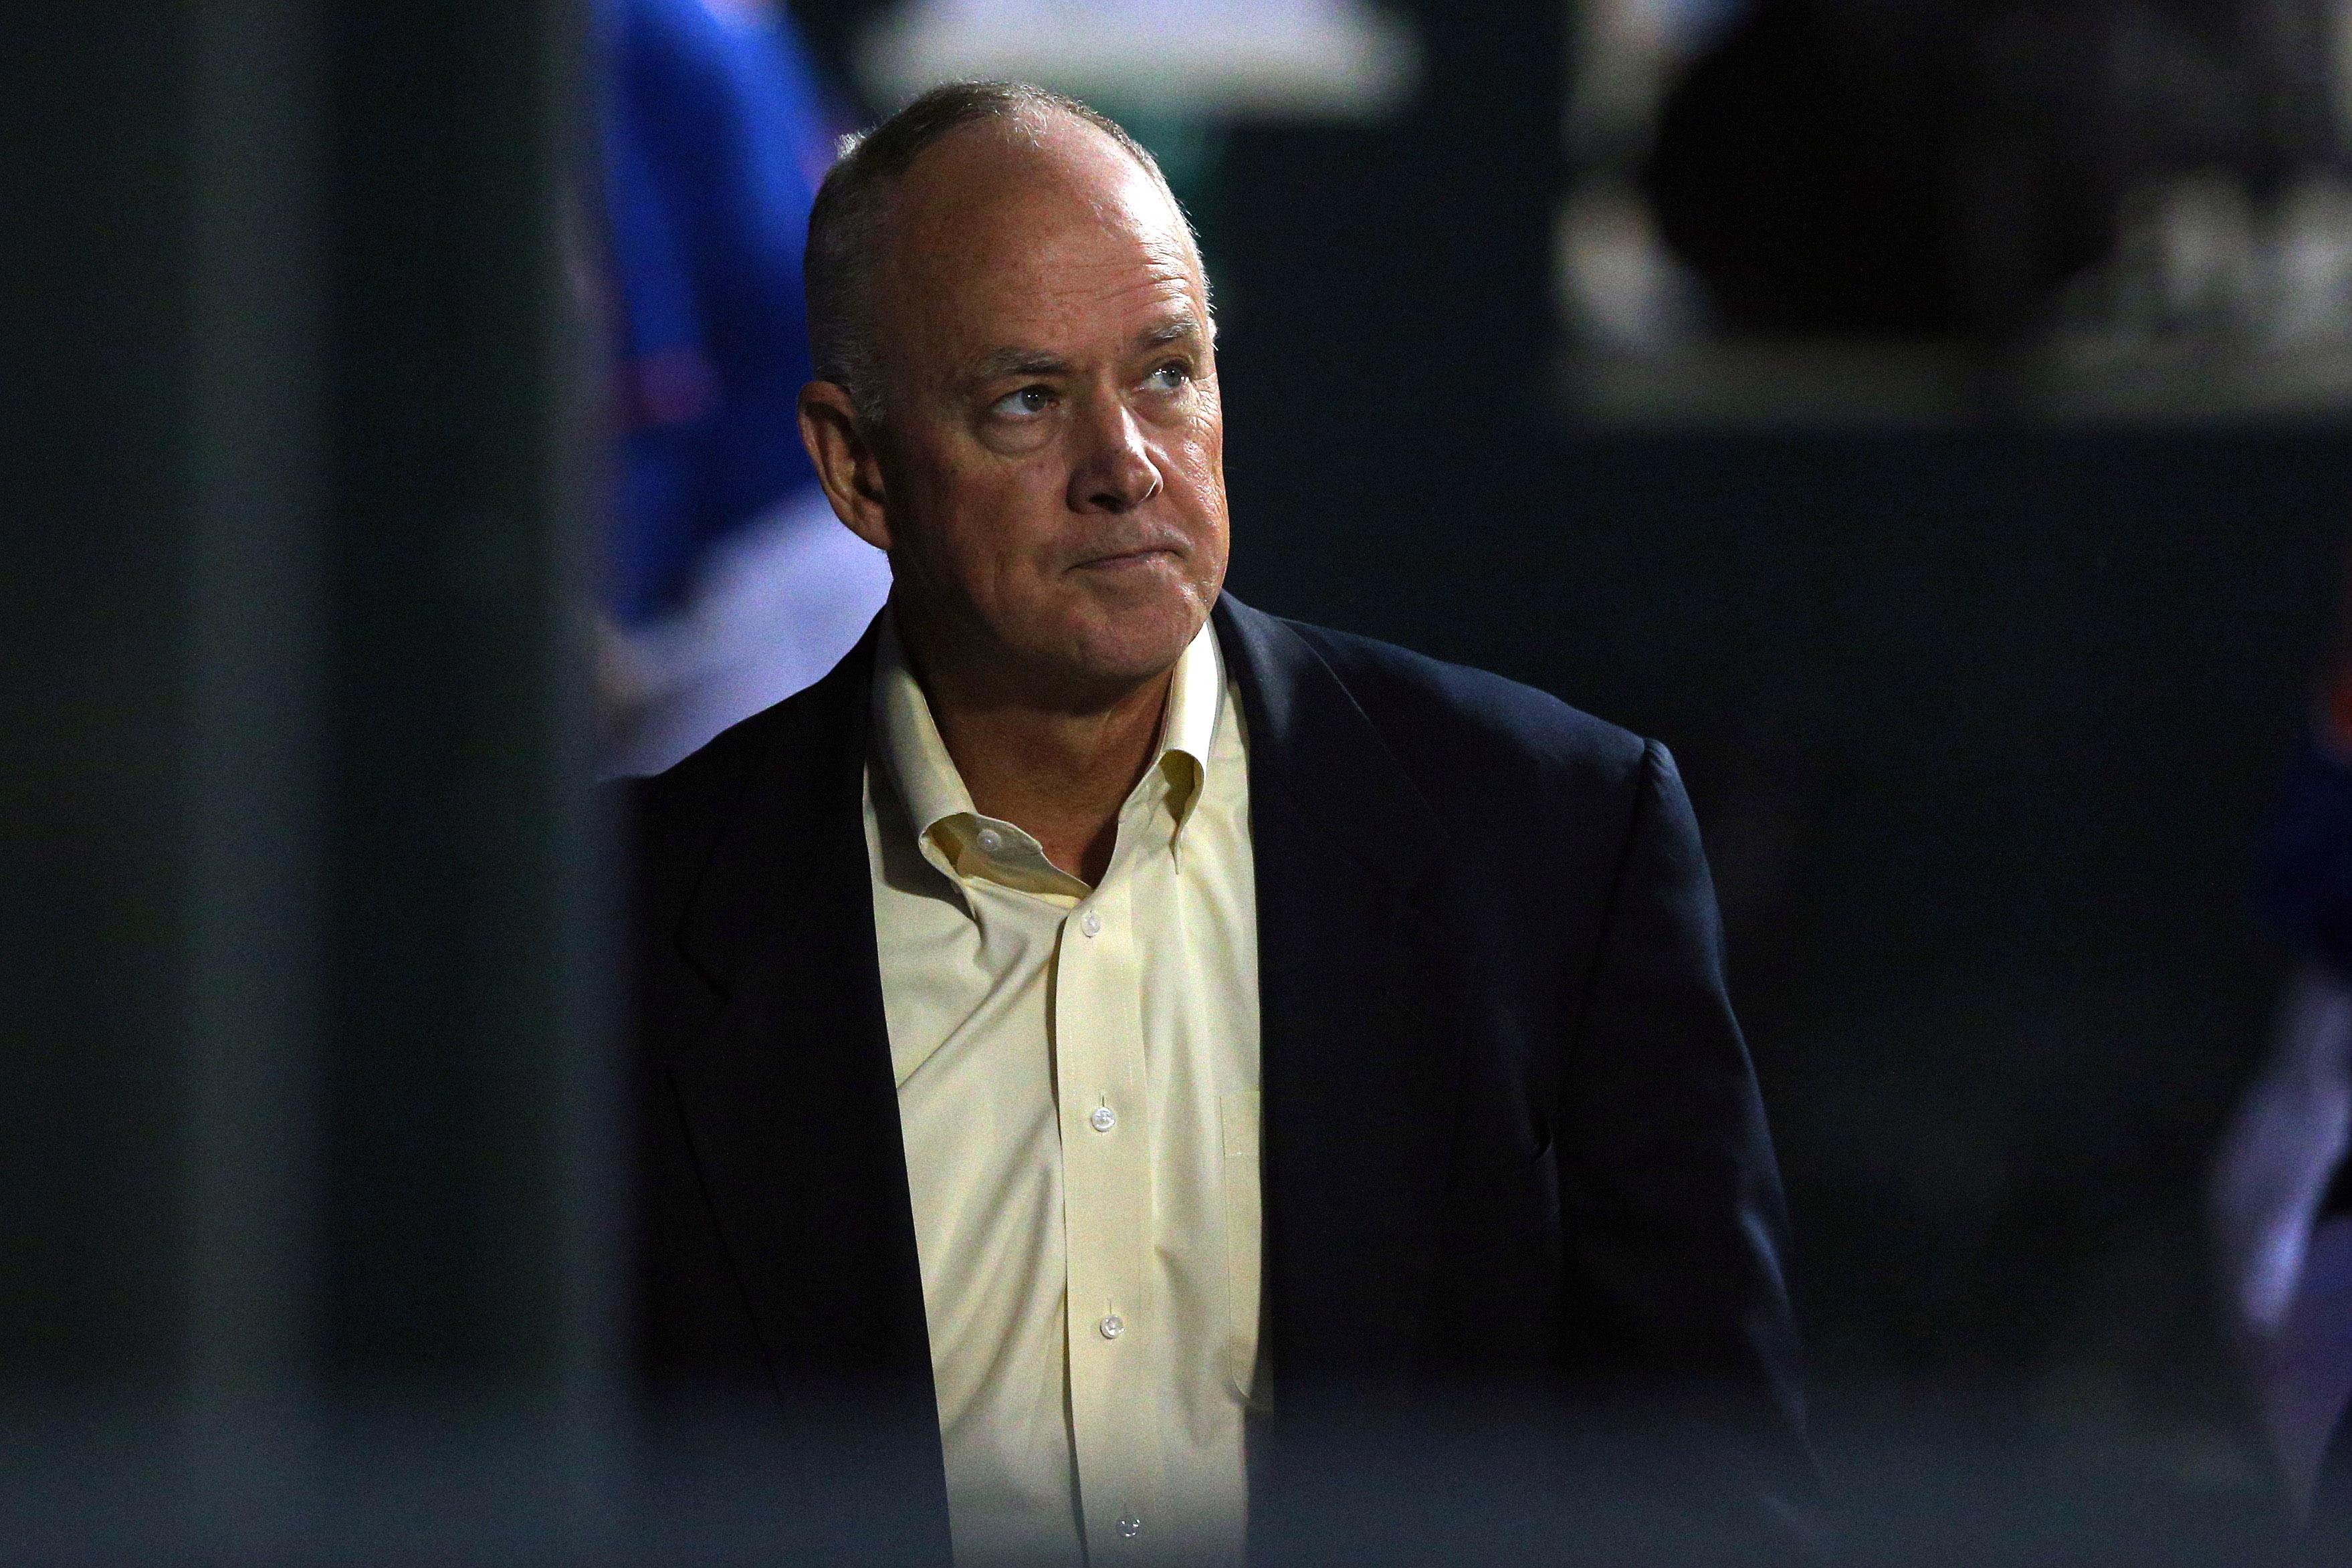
(304, 1101)
(96, 727)
(451, 841)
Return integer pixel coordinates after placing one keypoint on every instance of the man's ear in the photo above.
(847, 463)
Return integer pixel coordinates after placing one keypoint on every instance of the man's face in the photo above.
(1054, 454)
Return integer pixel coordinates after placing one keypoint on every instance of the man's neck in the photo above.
(1058, 768)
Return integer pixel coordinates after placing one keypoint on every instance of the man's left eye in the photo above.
(1170, 377)
(1026, 403)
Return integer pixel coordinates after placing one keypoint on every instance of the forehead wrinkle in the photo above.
(1011, 325)
(1113, 258)
(1163, 316)
(1030, 251)
(1172, 318)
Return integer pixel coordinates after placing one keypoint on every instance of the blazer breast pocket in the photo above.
(1509, 1206)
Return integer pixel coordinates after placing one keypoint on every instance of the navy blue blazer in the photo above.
(1524, 1229)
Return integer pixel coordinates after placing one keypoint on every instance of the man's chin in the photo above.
(1124, 644)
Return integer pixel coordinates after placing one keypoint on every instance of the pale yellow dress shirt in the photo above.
(1077, 1074)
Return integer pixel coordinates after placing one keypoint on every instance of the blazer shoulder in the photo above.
(670, 822)
(662, 810)
(1447, 720)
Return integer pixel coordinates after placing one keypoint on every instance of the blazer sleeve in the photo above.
(1673, 1215)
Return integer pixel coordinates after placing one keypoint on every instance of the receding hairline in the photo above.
(855, 225)
(1024, 130)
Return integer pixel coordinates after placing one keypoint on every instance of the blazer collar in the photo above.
(1310, 737)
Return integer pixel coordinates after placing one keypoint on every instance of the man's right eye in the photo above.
(1026, 403)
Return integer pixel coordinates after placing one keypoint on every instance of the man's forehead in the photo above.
(993, 207)
(1046, 270)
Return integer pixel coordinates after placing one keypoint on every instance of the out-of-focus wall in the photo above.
(307, 1137)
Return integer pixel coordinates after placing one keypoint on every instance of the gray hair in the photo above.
(847, 224)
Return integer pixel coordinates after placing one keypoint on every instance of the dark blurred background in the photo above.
(1982, 689)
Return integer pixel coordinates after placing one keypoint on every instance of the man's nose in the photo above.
(1114, 471)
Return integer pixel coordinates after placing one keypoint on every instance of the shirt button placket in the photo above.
(1101, 1060)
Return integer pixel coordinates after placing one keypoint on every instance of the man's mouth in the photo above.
(1131, 557)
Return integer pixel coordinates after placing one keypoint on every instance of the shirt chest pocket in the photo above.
(1238, 1114)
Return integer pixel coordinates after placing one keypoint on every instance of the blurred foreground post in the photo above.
(304, 1233)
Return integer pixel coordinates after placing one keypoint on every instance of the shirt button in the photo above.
(991, 840)
(1103, 1120)
(1112, 1326)
(1130, 1526)
(1090, 922)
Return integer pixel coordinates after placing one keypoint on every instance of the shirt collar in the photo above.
(941, 808)
(1196, 701)
(911, 747)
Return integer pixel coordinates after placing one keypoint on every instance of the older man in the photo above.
(1118, 1065)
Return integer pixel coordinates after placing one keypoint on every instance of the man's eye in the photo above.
(1026, 403)
(1170, 377)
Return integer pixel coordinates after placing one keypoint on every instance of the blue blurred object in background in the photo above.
(715, 143)
(730, 584)
(2281, 1194)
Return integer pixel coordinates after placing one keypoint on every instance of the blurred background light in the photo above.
(1298, 59)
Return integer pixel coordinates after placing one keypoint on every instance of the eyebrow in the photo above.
(1175, 329)
(999, 363)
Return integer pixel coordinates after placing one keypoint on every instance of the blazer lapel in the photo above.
(788, 1092)
(1360, 1085)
